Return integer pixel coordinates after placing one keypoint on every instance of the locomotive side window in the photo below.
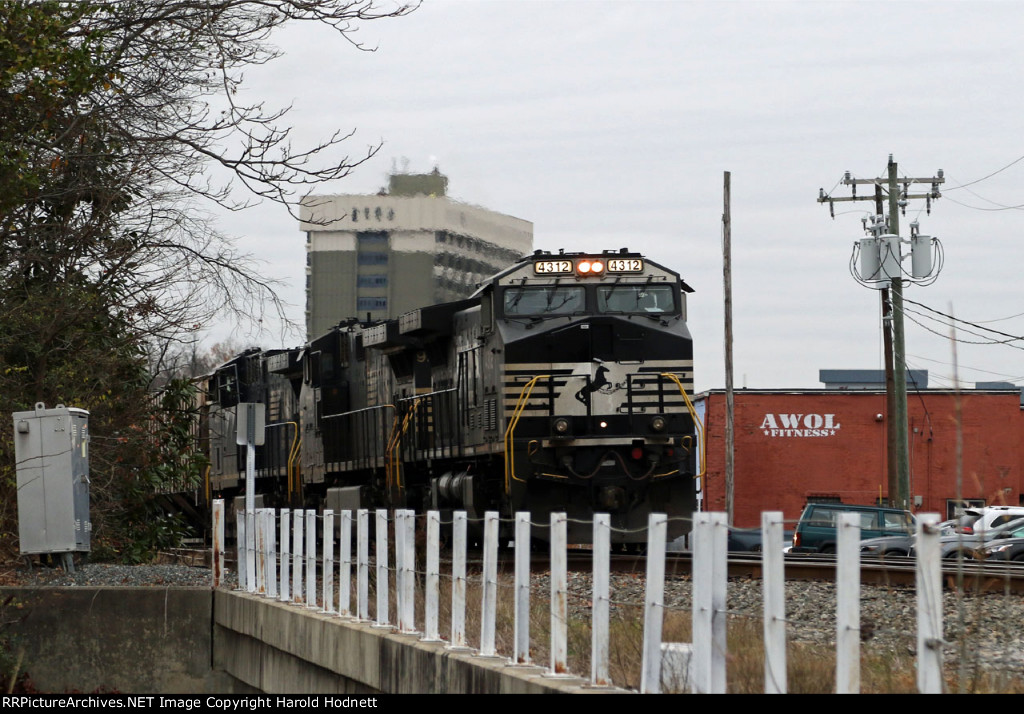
(642, 298)
(544, 300)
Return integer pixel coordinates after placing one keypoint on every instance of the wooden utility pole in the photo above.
(729, 404)
(895, 361)
(899, 362)
(890, 383)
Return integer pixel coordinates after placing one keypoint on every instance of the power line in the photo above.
(965, 322)
(1007, 377)
(984, 178)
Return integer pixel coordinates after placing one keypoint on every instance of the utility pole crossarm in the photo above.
(884, 182)
(841, 199)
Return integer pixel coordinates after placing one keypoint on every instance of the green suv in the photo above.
(816, 530)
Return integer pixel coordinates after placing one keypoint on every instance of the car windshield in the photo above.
(636, 298)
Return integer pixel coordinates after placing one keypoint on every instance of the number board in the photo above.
(553, 267)
(625, 265)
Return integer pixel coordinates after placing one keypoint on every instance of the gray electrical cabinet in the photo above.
(51, 447)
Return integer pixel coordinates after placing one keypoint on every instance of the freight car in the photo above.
(562, 385)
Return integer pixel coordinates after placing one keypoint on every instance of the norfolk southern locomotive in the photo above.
(561, 385)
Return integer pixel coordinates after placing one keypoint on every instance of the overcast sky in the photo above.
(610, 124)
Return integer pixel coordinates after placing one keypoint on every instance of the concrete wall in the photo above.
(193, 640)
(142, 640)
(279, 648)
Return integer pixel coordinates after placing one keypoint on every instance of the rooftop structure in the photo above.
(377, 256)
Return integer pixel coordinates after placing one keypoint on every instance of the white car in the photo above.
(991, 516)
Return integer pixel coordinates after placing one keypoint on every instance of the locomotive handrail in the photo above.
(357, 411)
(392, 467)
(367, 423)
(435, 402)
(696, 423)
(293, 455)
(524, 397)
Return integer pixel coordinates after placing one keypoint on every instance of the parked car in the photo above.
(1009, 548)
(898, 545)
(749, 539)
(971, 544)
(816, 530)
(903, 545)
(988, 517)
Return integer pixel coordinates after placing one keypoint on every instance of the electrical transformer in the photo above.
(51, 447)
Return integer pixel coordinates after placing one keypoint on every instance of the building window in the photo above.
(371, 303)
(372, 281)
(373, 258)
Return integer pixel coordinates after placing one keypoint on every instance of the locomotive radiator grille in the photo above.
(598, 388)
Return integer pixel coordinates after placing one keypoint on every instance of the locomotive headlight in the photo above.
(561, 426)
(590, 267)
(583, 267)
(658, 423)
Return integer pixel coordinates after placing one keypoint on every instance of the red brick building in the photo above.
(791, 446)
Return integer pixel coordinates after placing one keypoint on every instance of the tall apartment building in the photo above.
(411, 246)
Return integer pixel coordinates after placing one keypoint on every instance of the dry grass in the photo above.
(810, 668)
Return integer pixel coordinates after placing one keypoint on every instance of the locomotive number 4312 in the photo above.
(625, 265)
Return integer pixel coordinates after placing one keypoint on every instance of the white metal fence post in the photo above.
(240, 548)
(328, 572)
(599, 657)
(260, 556)
(400, 553)
(848, 604)
(432, 594)
(710, 579)
(260, 532)
(521, 640)
(409, 566)
(310, 558)
(298, 519)
(250, 552)
(345, 566)
(458, 638)
(218, 541)
(411, 570)
(363, 563)
(654, 604)
(489, 600)
(929, 605)
(286, 554)
(271, 523)
(774, 586)
(381, 534)
(559, 595)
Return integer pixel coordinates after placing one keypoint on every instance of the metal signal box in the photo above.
(51, 447)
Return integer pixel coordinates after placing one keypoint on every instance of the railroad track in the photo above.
(899, 571)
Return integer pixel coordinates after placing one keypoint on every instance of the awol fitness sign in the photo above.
(799, 425)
